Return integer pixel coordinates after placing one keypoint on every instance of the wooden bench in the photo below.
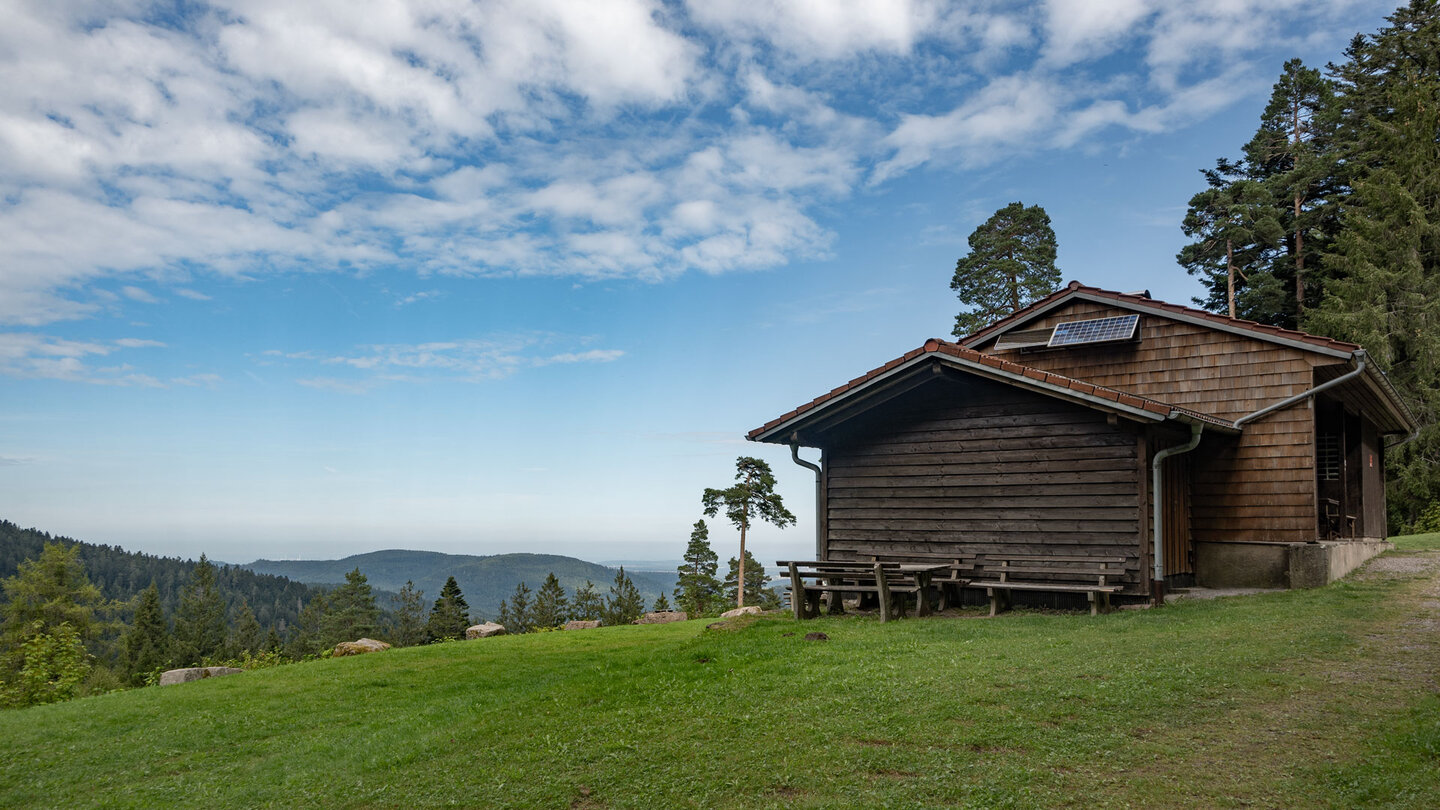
(1092, 576)
(960, 569)
(809, 579)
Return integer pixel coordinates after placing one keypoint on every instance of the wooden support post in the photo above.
(798, 597)
(882, 592)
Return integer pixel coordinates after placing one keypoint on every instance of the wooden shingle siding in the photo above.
(981, 467)
(1259, 486)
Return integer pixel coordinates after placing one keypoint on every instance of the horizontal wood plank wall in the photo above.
(980, 467)
(1256, 487)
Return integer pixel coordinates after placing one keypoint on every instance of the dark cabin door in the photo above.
(1179, 551)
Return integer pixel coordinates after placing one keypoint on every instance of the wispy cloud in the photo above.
(467, 360)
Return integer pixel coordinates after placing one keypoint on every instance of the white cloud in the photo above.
(590, 138)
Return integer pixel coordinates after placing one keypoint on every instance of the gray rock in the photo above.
(581, 625)
(485, 630)
(364, 645)
(174, 676)
(745, 611)
(663, 617)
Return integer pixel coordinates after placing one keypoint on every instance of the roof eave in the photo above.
(779, 434)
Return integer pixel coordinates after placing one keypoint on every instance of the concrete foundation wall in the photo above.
(1280, 565)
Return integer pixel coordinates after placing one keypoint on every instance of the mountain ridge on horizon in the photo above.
(485, 580)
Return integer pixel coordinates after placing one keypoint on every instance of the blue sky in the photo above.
(305, 280)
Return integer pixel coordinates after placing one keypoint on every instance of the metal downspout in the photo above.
(1157, 583)
(1360, 358)
(819, 540)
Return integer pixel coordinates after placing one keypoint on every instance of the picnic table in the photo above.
(811, 578)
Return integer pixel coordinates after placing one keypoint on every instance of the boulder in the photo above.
(579, 625)
(745, 611)
(663, 617)
(174, 676)
(485, 630)
(364, 645)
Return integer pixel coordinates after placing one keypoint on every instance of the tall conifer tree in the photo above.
(752, 498)
(1011, 264)
(551, 608)
(200, 628)
(147, 642)
(697, 589)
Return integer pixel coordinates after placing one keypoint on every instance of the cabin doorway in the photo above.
(1339, 471)
(1175, 531)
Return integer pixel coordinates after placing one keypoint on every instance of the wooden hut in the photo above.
(1052, 431)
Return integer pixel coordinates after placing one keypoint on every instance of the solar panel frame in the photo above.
(1095, 330)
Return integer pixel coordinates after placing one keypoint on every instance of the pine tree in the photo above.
(351, 612)
(200, 620)
(551, 608)
(661, 604)
(409, 616)
(1011, 264)
(586, 605)
(754, 580)
(147, 642)
(1292, 156)
(625, 604)
(696, 589)
(450, 615)
(1234, 221)
(752, 497)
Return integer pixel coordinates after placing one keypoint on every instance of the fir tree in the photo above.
(586, 605)
(310, 628)
(661, 604)
(351, 613)
(409, 616)
(551, 608)
(1385, 262)
(245, 634)
(696, 589)
(754, 581)
(520, 613)
(625, 604)
(1011, 264)
(751, 498)
(147, 642)
(450, 615)
(200, 620)
(47, 592)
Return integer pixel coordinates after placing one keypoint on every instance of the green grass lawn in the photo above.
(1303, 698)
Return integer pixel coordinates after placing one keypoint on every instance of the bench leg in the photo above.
(882, 592)
(798, 595)
(999, 600)
(922, 596)
(836, 600)
(1094, 603)
(812, 604)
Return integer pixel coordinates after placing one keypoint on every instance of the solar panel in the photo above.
(1098, 330)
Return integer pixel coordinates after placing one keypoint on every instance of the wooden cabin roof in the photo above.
(1371, 389)
(1142, 303)
(1088, 394)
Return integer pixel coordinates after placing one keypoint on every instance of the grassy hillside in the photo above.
(1298, 699)
(484, 580)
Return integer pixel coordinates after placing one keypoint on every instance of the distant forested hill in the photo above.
(122, 574)
(485, 581)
